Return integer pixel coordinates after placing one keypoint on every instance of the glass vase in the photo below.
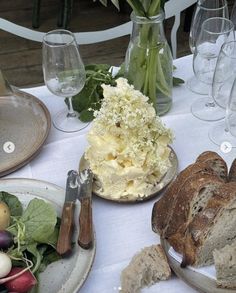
(149, 62)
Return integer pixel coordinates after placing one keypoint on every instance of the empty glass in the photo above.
(204, 9)
(215, 31)
(64, 75)
(223, 79)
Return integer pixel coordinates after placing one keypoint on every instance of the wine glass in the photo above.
(231, 114)
(64, 75)
(233, 14)
(204, 9)
(215, 31)
(223, 79)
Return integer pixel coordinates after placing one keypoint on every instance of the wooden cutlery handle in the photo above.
(66, 229)
(85, 239)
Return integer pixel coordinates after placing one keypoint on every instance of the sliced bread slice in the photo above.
(215, 162)
(191, 199)
(164, 207)
(225, 264)
(212, 228)
(146, 268)
(232, 172)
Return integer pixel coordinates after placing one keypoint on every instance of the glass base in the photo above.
(197, 87)
(68, 124)
(205, 109)
(220, 136)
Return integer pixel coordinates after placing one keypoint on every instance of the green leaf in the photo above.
(39, 219)
(116, 3)
(137, 7)
(86, 116)
(13, 203)
(177, 81)
(96, 67)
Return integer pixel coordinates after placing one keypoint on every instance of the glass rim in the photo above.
(143, 19)
(212, 9)
(58, 32)
(219, 18)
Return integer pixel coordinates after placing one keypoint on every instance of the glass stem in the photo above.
(71, 112)
(210, 102)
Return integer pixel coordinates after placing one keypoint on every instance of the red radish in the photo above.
(21, 284)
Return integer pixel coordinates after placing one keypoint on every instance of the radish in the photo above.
(6, 239)
(5, 264)
(21, 283)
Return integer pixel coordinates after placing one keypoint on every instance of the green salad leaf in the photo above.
(36, 232)
(40, 220)
(13, 203)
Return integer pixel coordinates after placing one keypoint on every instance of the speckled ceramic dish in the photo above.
(157, 188)
(192, 278)
(24, 126)
(68, 274)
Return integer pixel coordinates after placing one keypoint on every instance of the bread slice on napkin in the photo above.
(225, 264)
(146, 268)
(212, 228)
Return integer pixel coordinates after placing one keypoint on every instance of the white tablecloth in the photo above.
(122, 230)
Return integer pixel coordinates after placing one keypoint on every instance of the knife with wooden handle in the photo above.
(85, 238)
(67, 219)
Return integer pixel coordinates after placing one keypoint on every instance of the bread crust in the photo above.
(191, 199)
(200, 227)
(163, 209)
(206, 163)
(232, 172)
(214, 161)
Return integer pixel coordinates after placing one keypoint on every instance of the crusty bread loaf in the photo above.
(146, 268)
(191, 199)
(212, 228)
(232, 172)
(225, 264)
(215, 162)
(163, 209)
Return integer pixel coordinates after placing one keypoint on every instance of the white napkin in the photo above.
(208, 271)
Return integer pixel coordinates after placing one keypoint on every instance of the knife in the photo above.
(67, 219)
(85, 238)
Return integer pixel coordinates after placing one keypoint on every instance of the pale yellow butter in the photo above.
(128, 144)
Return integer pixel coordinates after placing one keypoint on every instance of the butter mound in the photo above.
(128, 144)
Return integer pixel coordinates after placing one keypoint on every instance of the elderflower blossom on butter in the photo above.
(128, 144)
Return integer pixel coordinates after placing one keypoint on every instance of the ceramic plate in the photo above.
(66, 275)
(166, 179)
(192, 278)
(24, 126)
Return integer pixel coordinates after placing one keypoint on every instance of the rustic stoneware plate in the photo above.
(192, 278)
(24, 126)
(157, 189)
(66, 275)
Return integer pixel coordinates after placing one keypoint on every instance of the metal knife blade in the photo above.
(67, 219)
(85, 238)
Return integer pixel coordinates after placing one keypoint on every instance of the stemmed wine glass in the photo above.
(233, 14)
(204, 9)
(215, 31)
(64, 75)
(223, 79)
(231, 114)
